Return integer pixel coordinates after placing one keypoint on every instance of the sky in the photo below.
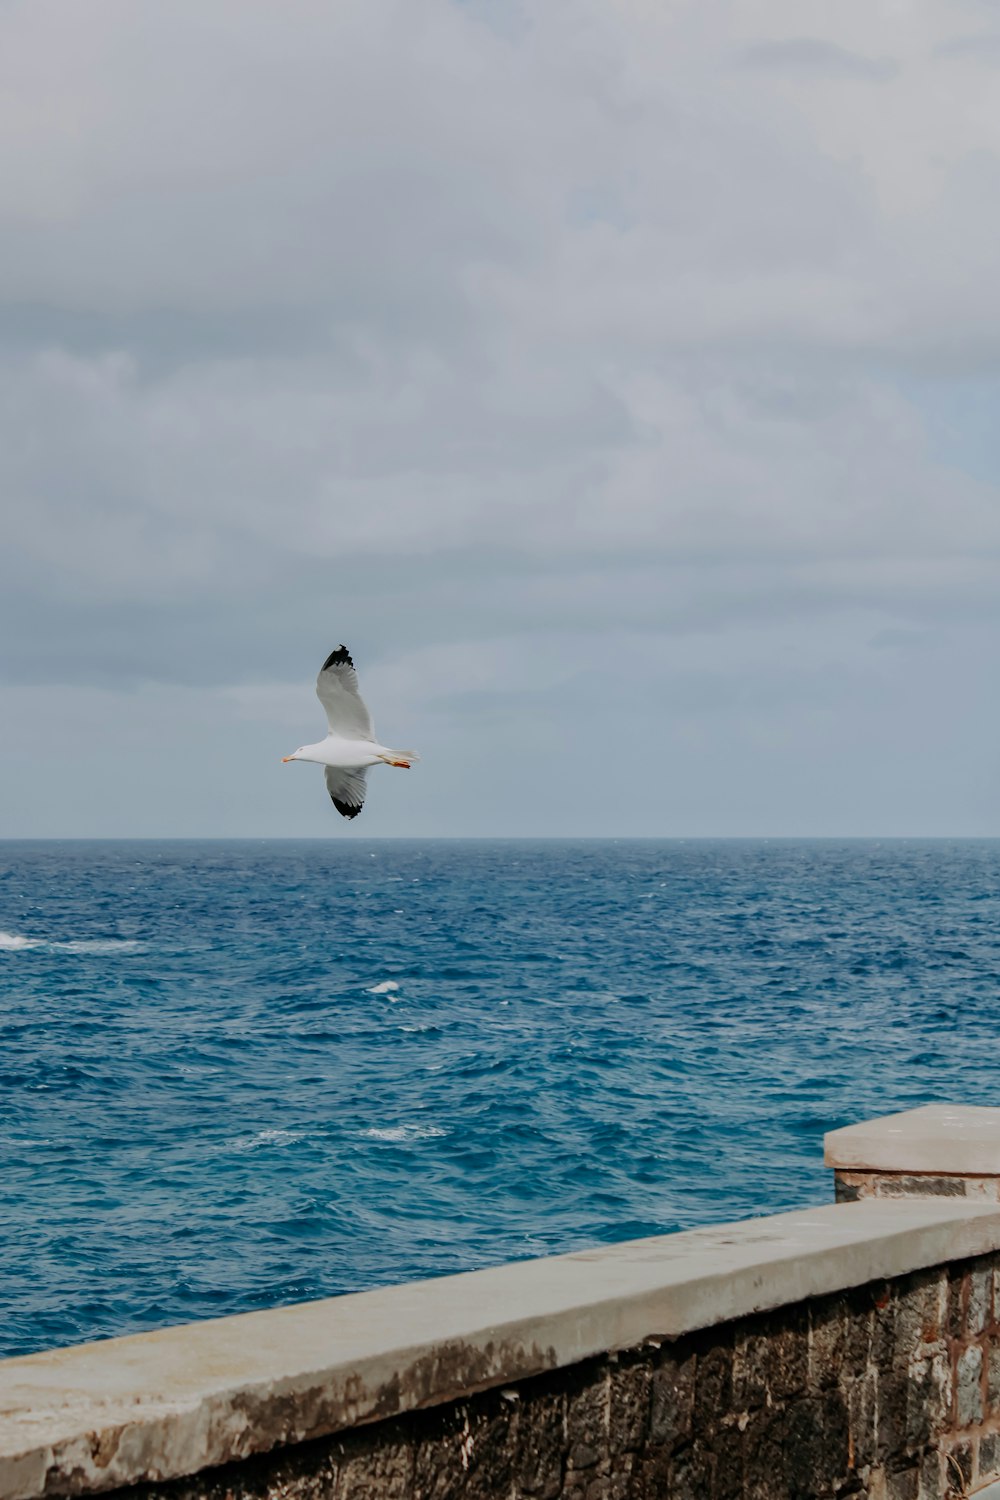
(618, 379)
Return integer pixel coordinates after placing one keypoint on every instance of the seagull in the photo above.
(350, 746)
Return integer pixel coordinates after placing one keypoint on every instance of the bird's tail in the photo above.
(404, 758)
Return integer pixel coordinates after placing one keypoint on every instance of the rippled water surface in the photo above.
(239, 1074)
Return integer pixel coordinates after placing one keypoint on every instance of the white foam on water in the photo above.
(99, 945)
(15, 942)
(404, 1133)
(11, 942)
(267, 1138)
(385, 988)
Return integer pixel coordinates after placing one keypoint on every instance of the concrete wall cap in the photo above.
(159, 1405)
(939, 1139)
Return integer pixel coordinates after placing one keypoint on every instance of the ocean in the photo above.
(242, 1074)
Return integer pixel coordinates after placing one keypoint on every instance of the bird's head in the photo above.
(295, 755)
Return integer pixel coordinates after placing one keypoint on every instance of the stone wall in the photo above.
(890, 1391)
(851, 1349)
(851, 1187)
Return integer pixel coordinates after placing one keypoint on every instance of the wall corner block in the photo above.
(940, 1150)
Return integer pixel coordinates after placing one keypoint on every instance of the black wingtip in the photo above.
(341, 657)
(344, 808)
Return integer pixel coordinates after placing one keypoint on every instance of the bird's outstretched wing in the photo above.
(347, 790)
(337, 690)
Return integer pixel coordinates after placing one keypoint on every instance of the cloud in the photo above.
(818, 59)
(499, 342)
(983, 48)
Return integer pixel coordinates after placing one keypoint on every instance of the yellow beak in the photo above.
(286, 758)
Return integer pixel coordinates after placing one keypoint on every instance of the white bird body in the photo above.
(350, 748)
(353, 755)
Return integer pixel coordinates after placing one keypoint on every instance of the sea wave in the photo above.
(404, 1133)
(266, 1138)
(99, 945)
(16, 942)
(12, 942)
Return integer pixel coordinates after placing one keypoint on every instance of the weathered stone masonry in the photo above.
(891, 1392)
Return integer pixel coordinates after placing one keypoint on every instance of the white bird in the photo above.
(350, 746)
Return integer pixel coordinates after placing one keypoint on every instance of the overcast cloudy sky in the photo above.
(617, 378)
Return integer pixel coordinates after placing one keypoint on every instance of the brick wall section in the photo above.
(890, 1392)
(850, 1186)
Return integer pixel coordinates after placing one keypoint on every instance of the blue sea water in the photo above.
(241, 1074)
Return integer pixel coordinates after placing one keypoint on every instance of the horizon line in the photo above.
(502, 838)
